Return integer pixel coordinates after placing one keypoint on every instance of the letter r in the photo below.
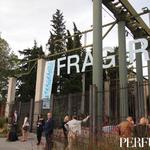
(138, 46)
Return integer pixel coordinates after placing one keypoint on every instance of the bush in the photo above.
(2, 122)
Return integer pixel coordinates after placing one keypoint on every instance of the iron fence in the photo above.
(70, 104)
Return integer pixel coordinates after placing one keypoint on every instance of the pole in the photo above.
(83, 83)
(149, 70)
(139, 72)
(31, 114)
(123, 71)
(97, 57)
(91, 114)
(83, 94)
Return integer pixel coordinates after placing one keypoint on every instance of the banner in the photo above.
(47, 83)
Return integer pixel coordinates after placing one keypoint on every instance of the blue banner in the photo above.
(47, 83)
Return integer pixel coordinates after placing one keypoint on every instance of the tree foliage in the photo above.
(73, 81)
(58, 32)
(8, 61)
(27, 81)
(57, 45)
(59, 41)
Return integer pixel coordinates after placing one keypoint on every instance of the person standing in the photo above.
(74, 128)
(12, 134)
(49, 126)
(39, 130)
(126, 127)
(141, 130)
(15, 122)
(25, 128)
(66, 119)
(65, 131)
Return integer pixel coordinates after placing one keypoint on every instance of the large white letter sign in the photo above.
(133, 49)
(88, 61)
(59, 65)
(71, 64)
(111, 57)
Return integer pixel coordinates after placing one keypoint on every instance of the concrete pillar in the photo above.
(92, 112)
(139, 73)
(123, 71)
(97, 57)
(39, 87)
(94, 100)
(11, 95)
(107, 98)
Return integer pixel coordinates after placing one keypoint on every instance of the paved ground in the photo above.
(18, 145)
(28, 145)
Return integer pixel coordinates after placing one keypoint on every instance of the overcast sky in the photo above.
(23, 21)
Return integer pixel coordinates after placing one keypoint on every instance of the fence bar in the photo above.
(31, 114)
(69, 105)
(91, 114)
(95, 126)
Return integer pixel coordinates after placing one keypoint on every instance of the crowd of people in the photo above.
(71, 127)
(128, 128)
(41, 125)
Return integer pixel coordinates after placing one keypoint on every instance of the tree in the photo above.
(73, 82)
(56, 44)
(27, 80)
(8, 61)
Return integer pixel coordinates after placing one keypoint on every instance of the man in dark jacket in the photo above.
(49, 125)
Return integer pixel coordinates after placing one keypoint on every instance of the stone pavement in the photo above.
(18, 145)
(28, 145)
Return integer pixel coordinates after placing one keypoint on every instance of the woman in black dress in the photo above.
(40, 126)
(12, 134)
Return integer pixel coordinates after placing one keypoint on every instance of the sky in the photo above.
(23, 21)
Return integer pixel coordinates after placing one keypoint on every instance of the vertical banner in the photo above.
(47, 83)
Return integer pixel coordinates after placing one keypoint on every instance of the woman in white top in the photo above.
(25, 128)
